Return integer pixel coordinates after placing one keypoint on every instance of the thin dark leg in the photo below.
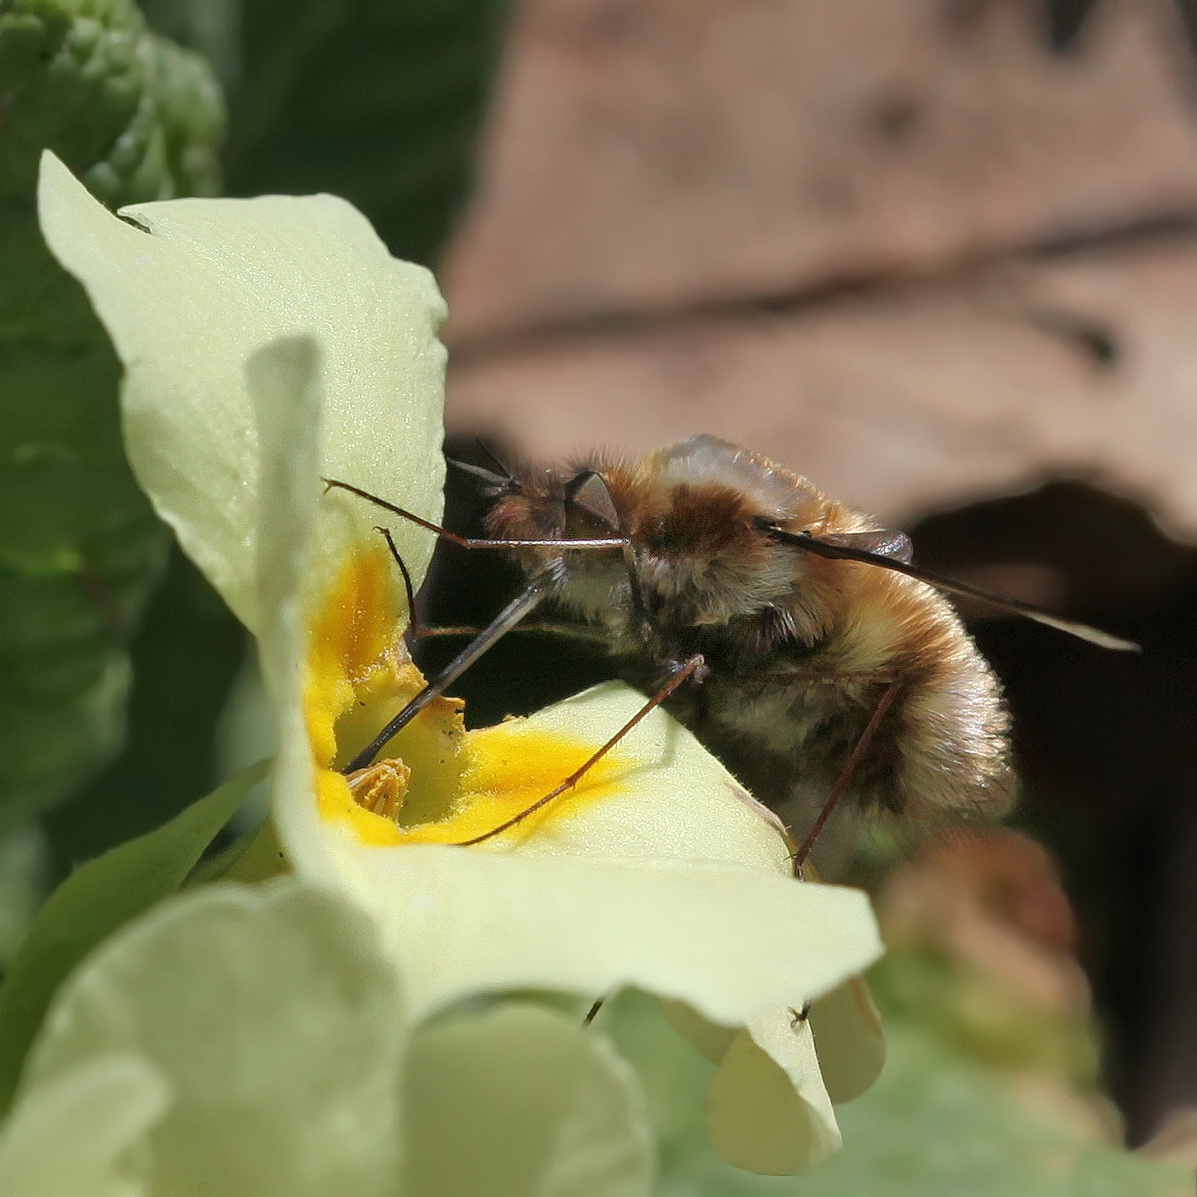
(685, 672)
(413, 623)
(568, 631)
(592, 1012)
(512, 614)
(420, 632)
(533, 594)
(845, 778)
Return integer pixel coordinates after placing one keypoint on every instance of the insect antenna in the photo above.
(504, 469)
(497, 482)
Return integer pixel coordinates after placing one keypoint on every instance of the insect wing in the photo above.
(835, 549)
(883, 543)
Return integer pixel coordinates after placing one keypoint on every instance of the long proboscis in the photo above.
(537, 590)
(822, 548)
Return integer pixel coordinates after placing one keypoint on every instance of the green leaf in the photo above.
(139, 117)
(79, 546)
(185, 656)
(378, 103)
(939, 1123)
(79, 550)
(210, 27)
(23, 885)
(93, 902)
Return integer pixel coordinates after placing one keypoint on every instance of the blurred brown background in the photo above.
(941, 257)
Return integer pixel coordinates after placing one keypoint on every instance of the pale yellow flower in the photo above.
(271, 342)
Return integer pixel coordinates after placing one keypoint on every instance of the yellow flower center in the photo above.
(434, 782)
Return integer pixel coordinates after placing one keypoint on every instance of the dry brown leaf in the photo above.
(991, 899)
(645, 156)
(903, 400)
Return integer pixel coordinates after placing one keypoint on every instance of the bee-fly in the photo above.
(791, 635)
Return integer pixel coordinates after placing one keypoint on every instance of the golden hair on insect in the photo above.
(793, 636)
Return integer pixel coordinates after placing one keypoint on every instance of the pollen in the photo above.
(381, 788)
(436, 782)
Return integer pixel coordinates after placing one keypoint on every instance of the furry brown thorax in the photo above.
(798, 647)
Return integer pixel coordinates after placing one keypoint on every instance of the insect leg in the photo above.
(846, 774)
(413, 623)
(592, 1012)
(687, 670)
(532, 595)
(567, 631)
(420, 632)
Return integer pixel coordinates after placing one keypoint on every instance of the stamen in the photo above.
(381, 788)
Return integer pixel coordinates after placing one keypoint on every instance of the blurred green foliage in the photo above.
(79, 547)
(372, 100)
(939, 1122)
(995, 1025)
(22, 872)
(96, 900)
(376, 101)
(185, 657)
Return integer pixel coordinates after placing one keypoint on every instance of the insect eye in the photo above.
(590, 493)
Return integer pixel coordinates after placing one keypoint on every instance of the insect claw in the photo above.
(797, 1017)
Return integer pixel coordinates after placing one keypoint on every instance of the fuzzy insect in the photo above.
(787, 631)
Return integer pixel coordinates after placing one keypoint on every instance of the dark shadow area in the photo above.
(1107, 750)
(469, 588)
